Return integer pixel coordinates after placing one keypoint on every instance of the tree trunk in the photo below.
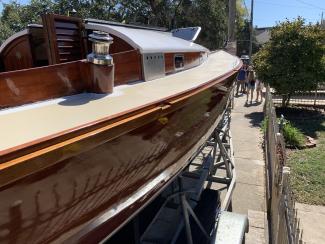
(173, 20)
(288, 99)
(284, 98)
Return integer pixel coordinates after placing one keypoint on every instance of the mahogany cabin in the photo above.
(49, 60)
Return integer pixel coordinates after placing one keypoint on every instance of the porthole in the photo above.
(179, 61)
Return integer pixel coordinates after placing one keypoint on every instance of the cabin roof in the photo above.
(148, 40)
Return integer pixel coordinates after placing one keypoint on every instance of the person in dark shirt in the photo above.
(241, 78)
(250, 83)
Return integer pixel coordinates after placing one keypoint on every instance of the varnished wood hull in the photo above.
(96, 184)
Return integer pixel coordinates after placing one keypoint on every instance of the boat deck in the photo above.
(27, 123)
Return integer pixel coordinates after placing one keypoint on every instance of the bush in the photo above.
(264, 124)
(293, 44)
(293, 136)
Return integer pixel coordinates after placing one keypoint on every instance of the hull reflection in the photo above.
(88, 196)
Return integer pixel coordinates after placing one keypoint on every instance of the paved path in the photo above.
(249, 194)
(312, 222)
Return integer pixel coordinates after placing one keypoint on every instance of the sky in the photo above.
(268, 12)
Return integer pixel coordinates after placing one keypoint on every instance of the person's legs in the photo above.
(237, 88)
(242, 86)
(258, 91)
(252, 92)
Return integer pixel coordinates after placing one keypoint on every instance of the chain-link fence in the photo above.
(282, 216)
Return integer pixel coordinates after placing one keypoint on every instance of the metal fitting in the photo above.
(100, 45)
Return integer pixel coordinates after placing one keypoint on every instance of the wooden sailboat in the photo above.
(86, 143)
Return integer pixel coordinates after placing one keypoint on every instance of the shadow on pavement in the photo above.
(253, 104)
(255, 118)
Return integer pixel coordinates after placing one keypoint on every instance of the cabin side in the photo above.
(50, 60)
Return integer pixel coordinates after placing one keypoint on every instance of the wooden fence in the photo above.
(282, 216)
(307, 99)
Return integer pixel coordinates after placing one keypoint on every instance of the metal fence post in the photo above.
(281, 124)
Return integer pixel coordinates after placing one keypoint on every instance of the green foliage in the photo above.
(243, 36)
(243, 32)
(294, 59)
(5, 32)
(264, 124)
(211, 15)
(307, 176)
(293, 136)
(15, 17)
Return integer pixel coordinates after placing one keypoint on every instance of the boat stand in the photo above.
(212, 166)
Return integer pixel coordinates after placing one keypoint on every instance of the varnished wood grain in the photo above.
(62, 32)
(38, 46)
(74, 176)
(87, 174)
(42, 142)
(127, 67)
(169, 62)
(101, 78)
(23, 149)
(119, 45)
(17, 55)
(191, 59)
(36, 84)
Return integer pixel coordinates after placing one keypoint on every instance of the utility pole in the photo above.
(251, 29)
(231, 20)
(231, 39)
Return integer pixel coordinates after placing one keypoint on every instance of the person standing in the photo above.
(241, 78)
(259, 88)
(250, 83)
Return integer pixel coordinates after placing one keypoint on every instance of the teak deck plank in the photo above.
(27, 123)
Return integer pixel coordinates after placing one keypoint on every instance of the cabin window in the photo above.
(179, 62)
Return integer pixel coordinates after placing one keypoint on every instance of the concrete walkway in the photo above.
(312, 223)
(249, 194)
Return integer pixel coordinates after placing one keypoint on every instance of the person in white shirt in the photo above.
(250, 83)
(259, 88)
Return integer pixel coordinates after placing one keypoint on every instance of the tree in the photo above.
(211, 15)
(294, 58)
(243, 31)
(5, 31)
(15, 17)
(243, 36)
